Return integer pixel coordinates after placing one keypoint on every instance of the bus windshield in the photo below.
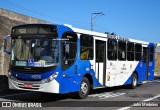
(37, 52)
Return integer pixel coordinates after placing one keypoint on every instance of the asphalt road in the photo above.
(144, 97)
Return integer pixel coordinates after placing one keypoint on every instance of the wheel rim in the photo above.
(134, 81)
(84, 88)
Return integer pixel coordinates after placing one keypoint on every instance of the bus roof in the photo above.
(98, 34)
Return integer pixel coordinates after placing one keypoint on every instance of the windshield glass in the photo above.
(34, 52)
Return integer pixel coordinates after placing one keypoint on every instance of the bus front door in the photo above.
(100, 61)
(145, 63)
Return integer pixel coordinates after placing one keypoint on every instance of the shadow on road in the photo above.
(33, 96)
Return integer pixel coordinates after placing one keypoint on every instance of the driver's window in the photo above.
(69, 49)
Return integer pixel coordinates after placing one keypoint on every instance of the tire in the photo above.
(84, 89)
(134, 81)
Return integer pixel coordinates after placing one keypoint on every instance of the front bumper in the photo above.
(50, 87)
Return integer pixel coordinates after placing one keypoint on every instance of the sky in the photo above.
(136, 19)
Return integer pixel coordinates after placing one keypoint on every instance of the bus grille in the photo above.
(34, 87)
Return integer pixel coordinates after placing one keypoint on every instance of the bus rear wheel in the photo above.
(84, 88)
(134, 81)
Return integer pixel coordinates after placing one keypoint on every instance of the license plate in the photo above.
(28, 85)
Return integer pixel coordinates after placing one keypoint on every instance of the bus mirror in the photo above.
(6, 45)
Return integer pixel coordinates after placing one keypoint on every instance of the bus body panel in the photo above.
(69, 80)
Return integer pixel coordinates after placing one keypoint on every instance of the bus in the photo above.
(62, 59)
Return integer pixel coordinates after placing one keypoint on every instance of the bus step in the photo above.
(100, 87)
(143, 82)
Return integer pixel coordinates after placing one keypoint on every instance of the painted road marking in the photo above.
(146, 100)
(107, 95)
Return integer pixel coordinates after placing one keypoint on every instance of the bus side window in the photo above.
(86, 44)
(130, 51)
(138, 52)
(122, 50)
(112, 49)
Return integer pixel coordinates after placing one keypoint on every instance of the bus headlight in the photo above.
(53, 76)
(12, 77)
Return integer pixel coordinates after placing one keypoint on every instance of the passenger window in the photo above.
(86, 44)
(138, 52)
(122, 50)
(112, 49)
(130, 51)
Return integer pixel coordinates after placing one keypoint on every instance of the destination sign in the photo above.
(117, 38)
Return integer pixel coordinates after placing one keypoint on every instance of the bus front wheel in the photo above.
(84, 88)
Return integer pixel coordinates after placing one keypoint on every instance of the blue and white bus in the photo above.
(62, 59)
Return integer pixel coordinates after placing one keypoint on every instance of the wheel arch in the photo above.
(89, 77)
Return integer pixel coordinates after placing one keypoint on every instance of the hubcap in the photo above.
(84, 88)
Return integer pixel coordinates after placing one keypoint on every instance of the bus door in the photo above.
(145, 63)
(100, 49)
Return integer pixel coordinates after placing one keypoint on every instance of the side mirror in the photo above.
(5, 45)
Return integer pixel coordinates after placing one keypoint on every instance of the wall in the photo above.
(9, 19)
